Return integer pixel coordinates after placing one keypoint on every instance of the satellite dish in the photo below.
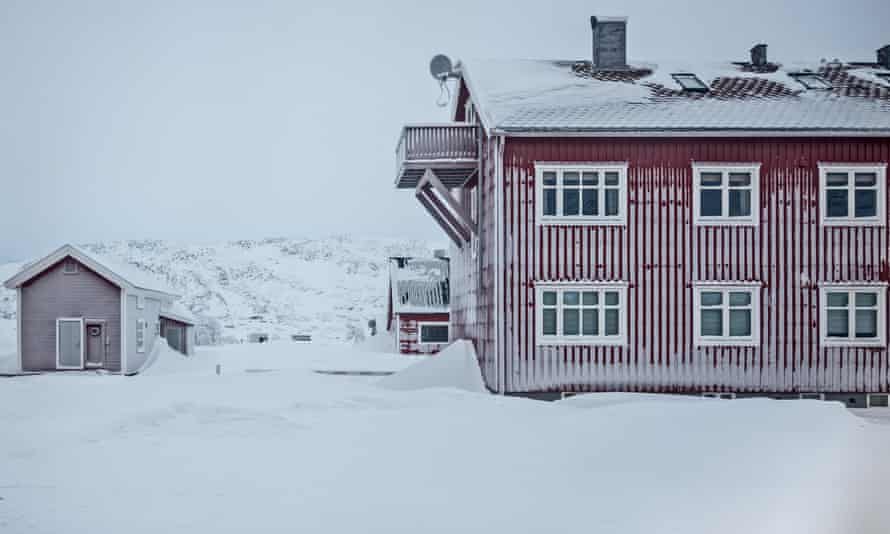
(440, 67)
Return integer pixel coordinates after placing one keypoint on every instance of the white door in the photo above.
(69, 343)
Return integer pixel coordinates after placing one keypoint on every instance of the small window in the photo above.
(140, 302)
(581, 314)
(852, 194)
(879, 400)
(594, 194)
(727, 315)
(852, 315)
(141, 334)
(812, 81)
(70, 266)
(690, 82)
(433, 332)
(726, 194)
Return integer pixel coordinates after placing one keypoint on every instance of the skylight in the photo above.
(690, 82)
(812, 81)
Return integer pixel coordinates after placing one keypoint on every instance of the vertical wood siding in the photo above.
(660, 253)
(54, 294)
(409, 333)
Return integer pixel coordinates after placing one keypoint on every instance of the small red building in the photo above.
(688, 228)
(418, 307)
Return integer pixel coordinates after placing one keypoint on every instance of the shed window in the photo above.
(812, 81)
(141, 334)
(853, 315)
(433, 333)
(581, 314)
(727, 315)
(69, 266)
(583, 194)
(852, 194)
(140, 302)
(690, 82)
(726, 194)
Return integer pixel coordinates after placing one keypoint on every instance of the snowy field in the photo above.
(271, 446)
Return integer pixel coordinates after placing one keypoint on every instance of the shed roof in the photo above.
(123, 275)
(538, 96)
(419, 285)
(178, 312)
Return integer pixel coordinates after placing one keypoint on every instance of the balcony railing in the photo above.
(450, 150)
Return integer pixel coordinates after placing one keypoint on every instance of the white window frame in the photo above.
(142, 324)
(72, 262)
(754, 288)
(580, 220)
(599, 340)
(880, 289)
(725, 169)
(420, 326)
(140, 302)
(851, 168)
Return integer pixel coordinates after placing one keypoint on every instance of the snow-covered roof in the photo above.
(419, 285)
(178, 312)
(122, 275)
(534, 96)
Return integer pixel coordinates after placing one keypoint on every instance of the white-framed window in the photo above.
(140, 302)
(433, 332)
(141, 334)
(588, 313)
(852, 194)
(853, 315)
(581, 194)
(726, 194)
(727, 314)
(69, 266)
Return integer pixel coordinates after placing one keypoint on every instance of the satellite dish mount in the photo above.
(441, 69)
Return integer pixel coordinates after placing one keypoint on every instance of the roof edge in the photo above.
(689, 132)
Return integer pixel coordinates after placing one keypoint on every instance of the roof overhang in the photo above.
(36, 268)
(691, 132)
(176, 317)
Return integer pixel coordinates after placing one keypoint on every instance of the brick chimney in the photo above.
(609, 42)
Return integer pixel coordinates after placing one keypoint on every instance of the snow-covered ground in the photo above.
(269, 445)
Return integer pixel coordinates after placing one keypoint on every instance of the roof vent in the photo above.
(609, 42)
(884, 57)
(758, 55)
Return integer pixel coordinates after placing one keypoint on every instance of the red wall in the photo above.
(660, 253)
(409, 335)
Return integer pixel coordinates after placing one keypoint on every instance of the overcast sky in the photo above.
(199, 121)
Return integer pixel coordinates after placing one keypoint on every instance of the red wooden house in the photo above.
(686, 228)
(418, 305)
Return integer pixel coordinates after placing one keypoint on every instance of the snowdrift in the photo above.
(455, 367)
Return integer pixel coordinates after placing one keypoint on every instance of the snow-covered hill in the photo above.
(328, 288)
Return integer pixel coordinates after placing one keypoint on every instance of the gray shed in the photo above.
(77, 311)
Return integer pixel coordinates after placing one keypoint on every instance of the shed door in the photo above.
(69, 336)
(95, 345)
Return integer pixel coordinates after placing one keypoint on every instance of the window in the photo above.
(879, 400)
(433, 332)
(581, 314)
(852, 315)
(70, 266)
(690, 82)
(852, 194)
(141, 334)
(140, 302)
(726, 194)
(581, 194)
(469, 112)
(727, 315)
(812, 81)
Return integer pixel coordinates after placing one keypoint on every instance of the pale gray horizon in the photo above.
(203, 121)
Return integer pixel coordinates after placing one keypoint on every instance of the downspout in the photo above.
(499, 265)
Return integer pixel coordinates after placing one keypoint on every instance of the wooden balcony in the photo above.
(449, 150)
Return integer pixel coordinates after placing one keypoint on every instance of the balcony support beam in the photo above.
(430, 179)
